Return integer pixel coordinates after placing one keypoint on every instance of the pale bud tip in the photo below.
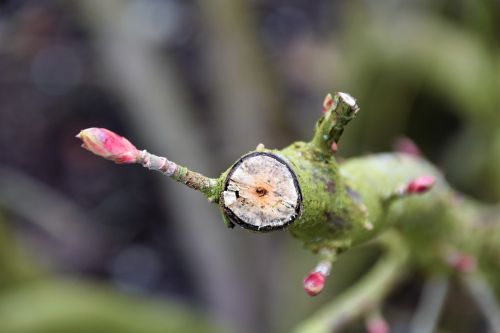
(108, 145)
(314, 283)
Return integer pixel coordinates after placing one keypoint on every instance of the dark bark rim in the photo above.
(231, 216)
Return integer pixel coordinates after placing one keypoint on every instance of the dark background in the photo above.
(203, 82)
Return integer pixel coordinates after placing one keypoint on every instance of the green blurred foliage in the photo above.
(32, 301)
(432, 75)
(58, 306)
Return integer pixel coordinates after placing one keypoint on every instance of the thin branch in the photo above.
(484, 296)
(192, 179)
(338, 110)
(431, 303)
(365, 294)
(116, 148)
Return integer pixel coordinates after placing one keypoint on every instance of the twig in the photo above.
(338, 110)
(431, 303)
(484, 297)
(366, 294)
(192, 179)
(111, 146)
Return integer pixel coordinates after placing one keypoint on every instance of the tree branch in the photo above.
(179, 173)
(431, 303)
(338, 110)
(332, 207)
(484, 296)
(113, 147)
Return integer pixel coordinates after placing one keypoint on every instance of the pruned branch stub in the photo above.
(261, 193)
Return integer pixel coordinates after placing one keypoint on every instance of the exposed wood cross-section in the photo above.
(261, 193)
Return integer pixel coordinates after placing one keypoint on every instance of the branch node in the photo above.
(416, 186)
(420, 185)
(315, 280)
(338, 111)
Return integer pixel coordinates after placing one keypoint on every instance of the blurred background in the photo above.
(88, 246)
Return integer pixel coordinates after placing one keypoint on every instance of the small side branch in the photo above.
(419, 185)
(191, 179)
(315, 280)
(118, 149)
(366, 295)
(430, 306)
(338, 110)
(484, 296)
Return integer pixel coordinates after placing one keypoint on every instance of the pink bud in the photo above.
(462, 262)
(314, 283)
(327, 102)
(334, 147)
(406, 146)
(109, 145)
(420, 185)
(377, 325)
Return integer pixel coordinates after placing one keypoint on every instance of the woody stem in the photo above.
(194, 180)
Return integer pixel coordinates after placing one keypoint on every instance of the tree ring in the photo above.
(261, 193)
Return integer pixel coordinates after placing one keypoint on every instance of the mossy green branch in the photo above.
(331, 206)
(327, 205)
(338, 111)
